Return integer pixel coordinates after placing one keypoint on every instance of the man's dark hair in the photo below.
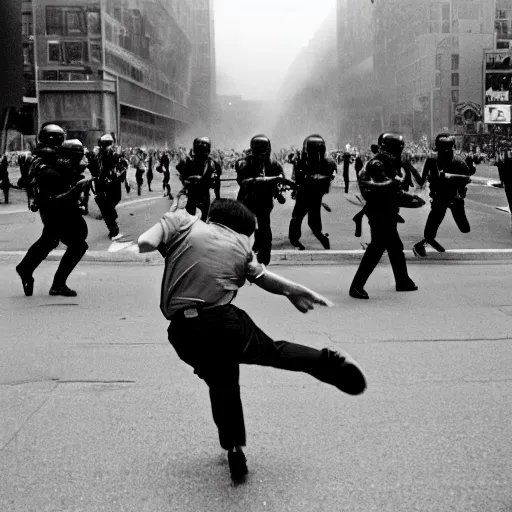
(234, 215)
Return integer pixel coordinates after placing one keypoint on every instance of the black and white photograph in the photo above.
(256, 255)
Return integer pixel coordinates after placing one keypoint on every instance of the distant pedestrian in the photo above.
(5, 184)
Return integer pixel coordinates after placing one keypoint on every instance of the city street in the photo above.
(100, 414)
(490, 227)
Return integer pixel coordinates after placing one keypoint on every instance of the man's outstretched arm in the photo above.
(151, 239)
(301, 297)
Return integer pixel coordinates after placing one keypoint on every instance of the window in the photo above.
(455, 61)
(93, 23)
(53, 52)
(49, 75)
(108, 32)
(455, 97)
(54, 21)
(439, 60)
(27, 56)
(26, 24)
(438, 81)
(75, 22)
(63, 21)
(75, 52)
(96, 51)
(455, 79)
(501, 14)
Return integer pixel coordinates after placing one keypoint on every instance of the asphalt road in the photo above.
(98, 413)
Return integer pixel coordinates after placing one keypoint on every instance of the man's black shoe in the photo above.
(27, 283)
(237, 465)
(406, 287)
(343, 373)
(62, 290)
(419, 250)
(297, 244)
(358, 293)
(436, 245)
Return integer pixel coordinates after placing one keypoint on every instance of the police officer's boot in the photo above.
(435, 245)
(419, 249)
(296, 243)
(324, 240)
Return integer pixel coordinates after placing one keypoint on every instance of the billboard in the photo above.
(497, 114)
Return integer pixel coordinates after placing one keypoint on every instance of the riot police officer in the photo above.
(109, 169)
(199, 173)
(313, 173)
(258, 175)
(380, 183)
(57, 184)
(448, 176)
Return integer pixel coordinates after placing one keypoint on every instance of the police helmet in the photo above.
(260, 145)
(391, 143)
(314, 145)
(202, 146)
(72, 149)
(51, 135)
(444, 142)
(106, 140)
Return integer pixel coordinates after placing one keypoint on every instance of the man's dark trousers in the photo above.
(217, 341)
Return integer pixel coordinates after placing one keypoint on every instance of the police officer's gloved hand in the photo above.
(280, 199)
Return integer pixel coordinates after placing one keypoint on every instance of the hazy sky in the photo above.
(256, 41)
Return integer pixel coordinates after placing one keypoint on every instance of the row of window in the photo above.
(74, 52)
(123, 67)
(455, 61)
(69, 21)
(69, 76)
(137, 43)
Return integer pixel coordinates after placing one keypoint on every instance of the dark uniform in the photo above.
(347, 160)
(258, 193)
(164, 168)
(109, 168)
(380, 186)
(5, 183)
(149, 174)
(58, 186)
(448, 176)
(199, 173)
(313, 173)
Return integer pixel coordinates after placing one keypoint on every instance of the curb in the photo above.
(286, 257)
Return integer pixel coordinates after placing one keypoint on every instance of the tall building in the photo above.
(307, 98)
(360, 112)
(203, 83)
(427, 61)
(125, 66)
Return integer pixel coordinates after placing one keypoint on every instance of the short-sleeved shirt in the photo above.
(206, 263)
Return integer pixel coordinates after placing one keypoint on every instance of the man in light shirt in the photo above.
(205, 265)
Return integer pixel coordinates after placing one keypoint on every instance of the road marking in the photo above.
(8, 212)
(135, 201)
(120, 246)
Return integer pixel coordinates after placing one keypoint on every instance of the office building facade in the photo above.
(122, 66)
